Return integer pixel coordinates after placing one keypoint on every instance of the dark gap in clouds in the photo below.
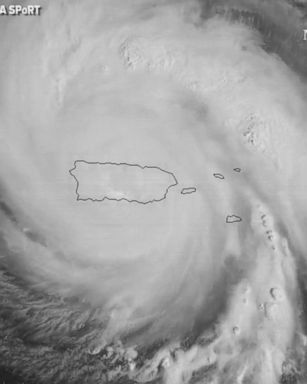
(8, 377)
(282, 39)
(302, 279)
(5, 208)
(217, 301)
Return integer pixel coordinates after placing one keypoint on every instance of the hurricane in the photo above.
(205, 283)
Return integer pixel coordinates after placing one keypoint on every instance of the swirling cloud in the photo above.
(196, 88)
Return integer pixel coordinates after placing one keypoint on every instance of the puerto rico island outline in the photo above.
(134, 183)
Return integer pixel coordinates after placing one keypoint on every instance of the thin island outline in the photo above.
(122, 164)
(231, 219)
(188, 190)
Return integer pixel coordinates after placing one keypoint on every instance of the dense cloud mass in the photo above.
(168, 292)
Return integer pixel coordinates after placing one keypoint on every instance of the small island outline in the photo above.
(123, 198)
(230, 219)
(219, 176)
(188, 190)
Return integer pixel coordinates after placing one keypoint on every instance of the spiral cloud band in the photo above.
(205, 283)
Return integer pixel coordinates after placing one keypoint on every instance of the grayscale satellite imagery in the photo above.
(153, 192)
